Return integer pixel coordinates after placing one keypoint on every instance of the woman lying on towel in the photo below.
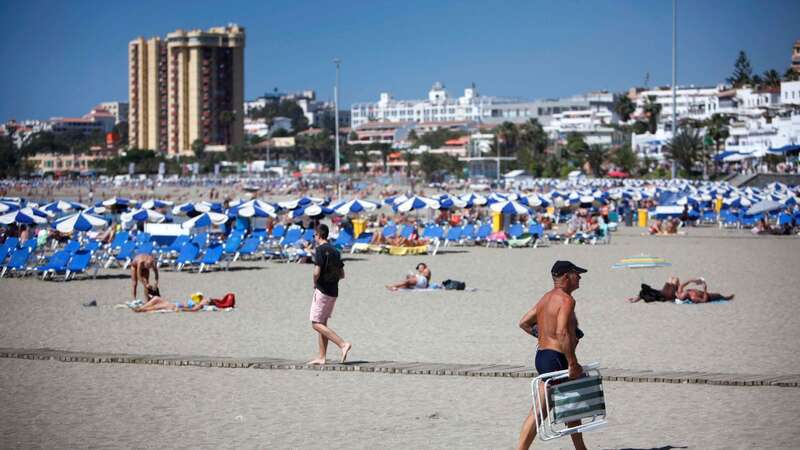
(419, 280)
(673, 290)
(196, 303)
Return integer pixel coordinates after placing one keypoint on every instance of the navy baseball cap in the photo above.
(562, 267)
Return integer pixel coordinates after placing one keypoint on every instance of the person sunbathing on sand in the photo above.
(197, 303)
(419, 280)
(698, 296)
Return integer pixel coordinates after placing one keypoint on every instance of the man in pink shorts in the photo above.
(328, 270)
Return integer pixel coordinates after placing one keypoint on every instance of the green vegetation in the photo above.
(286, 108)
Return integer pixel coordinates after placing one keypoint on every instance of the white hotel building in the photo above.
(761, 118)
(439, 107)
(472, 107)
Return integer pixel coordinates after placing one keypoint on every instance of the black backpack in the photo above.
(454, 285)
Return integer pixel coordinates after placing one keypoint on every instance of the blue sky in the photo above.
(62, 57)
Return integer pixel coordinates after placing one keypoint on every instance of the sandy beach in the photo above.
(757, 333)
(73, 405)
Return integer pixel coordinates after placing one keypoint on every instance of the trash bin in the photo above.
(642, 218)
(359, 225)
(497, 221)
(717, 204)
(629, 218)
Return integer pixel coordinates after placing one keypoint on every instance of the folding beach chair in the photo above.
(568, 401)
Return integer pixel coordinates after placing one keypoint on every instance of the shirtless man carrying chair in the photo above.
(554, 317)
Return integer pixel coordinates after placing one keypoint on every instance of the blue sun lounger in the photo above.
(17, 262)
(55, 265)
(80, 262)
(211, 257)
(187, 255)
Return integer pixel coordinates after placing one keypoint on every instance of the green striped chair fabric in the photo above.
(578, 399)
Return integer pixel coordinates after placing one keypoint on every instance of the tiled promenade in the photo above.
(408, 368)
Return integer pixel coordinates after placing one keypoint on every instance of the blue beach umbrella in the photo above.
(355, 206)
(473, 199)
(156, 204)
(143, 215)
(764, 206)
(61, 206)
(448, 202)
(24, 216)
(184, 209)
(79, 222)
(253, 208)
(215, 207)
(95, 210)
(509, 207)
(117, 202)
(204, 220)
(311, 210)
(415, 203)
(6, 206)
(537, 200)
(304, 201)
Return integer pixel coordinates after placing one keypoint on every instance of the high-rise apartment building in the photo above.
(187, 87)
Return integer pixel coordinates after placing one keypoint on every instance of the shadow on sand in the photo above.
(666, 447)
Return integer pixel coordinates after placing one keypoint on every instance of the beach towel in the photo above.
(403, 251)
(689, 302)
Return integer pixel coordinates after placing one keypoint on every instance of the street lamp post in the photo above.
(338, 62)
(674, 78)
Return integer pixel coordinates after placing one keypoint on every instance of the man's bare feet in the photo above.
(345, 350)
(317, 362)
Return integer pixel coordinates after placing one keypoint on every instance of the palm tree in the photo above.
(408, 157)
(595, 156)
(685, 148)
(717, 129)
(791, 75)
(533, 141)
(772, 78)
(623, 106)
(652, 111)
(363, 156)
